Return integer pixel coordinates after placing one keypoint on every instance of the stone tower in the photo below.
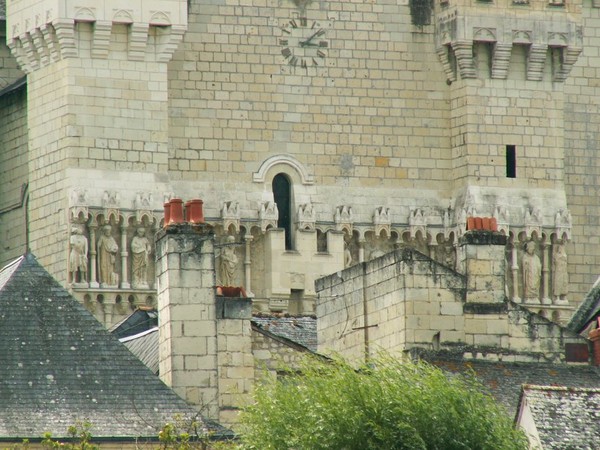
(506, 63)
(97, 117)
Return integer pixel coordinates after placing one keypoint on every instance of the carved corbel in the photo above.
(563, 223)
(533, 221)
(417, 222)
(268, 215)
(142, 205)
(502, 216)
(230, 214)
(381, 220)
(78, 204)
(306, 217)
(344, 219)
(110, 204)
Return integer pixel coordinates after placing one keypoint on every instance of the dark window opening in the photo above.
(321, 242)
(511, 161)
(282, 193)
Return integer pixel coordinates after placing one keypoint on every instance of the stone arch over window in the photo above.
(284, 163)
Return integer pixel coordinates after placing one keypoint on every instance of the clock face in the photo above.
(303, 43)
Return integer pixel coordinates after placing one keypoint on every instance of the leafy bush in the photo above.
(388, 403)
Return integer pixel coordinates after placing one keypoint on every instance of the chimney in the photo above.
(205, 346)
(481, 258)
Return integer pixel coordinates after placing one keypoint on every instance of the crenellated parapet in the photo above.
(42, 32)
(551, 36)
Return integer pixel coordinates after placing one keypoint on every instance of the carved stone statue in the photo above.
(228, 262)
(532, 271)
(347, 256)
(560, 276)
(78, 258)
(107, 253)
(140, 251)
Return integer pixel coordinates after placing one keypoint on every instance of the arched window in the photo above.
(282, 193)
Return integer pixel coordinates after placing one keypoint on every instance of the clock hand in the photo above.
(319, 32)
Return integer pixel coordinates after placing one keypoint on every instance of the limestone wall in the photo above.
(408, 299)
(271, 355)
(581, 163)
(404, 300)
(14, 187)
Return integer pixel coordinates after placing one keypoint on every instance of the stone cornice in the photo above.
(42, 32)
(458, 31)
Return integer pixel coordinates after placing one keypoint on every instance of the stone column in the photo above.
(124, 263)
(248, 265)
(92, 248)
(545, 274)
(515, 274)
(361, 250)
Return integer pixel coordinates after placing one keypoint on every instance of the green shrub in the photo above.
(387, 404)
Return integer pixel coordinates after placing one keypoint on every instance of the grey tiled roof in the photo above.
(504, 379)
(564, 418)
(59, 365)
(299, 329)
(587, 311)
(140, 320)
(145, 346)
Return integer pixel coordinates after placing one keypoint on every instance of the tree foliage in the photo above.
(388, 403)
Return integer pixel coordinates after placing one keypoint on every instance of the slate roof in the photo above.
(587, 311)
(505, 379)
(145, 346)
(58, 365)
(140, 320)
(298, 329)
(564, 418)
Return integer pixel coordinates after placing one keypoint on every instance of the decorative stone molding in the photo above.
(230, 214)
(288, 160)
(533, 221)
(306, 217)
(143, 200)
(536, 59)
(268, 214)
(501, 60)
(381, 220)
(444, 57)
(569, 58)
(463, 50)
(502, 216)
(417, 222)
(39, 35)
(101, 39)
(563, 223)
(110, 199)
(344, 219)
(459, 31)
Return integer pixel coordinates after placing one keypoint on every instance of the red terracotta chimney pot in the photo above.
(176, 211)
(193, 211)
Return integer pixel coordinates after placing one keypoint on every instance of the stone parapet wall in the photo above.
(404, 300)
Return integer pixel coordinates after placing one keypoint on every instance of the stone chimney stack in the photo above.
(205, 348)
(481, 258)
